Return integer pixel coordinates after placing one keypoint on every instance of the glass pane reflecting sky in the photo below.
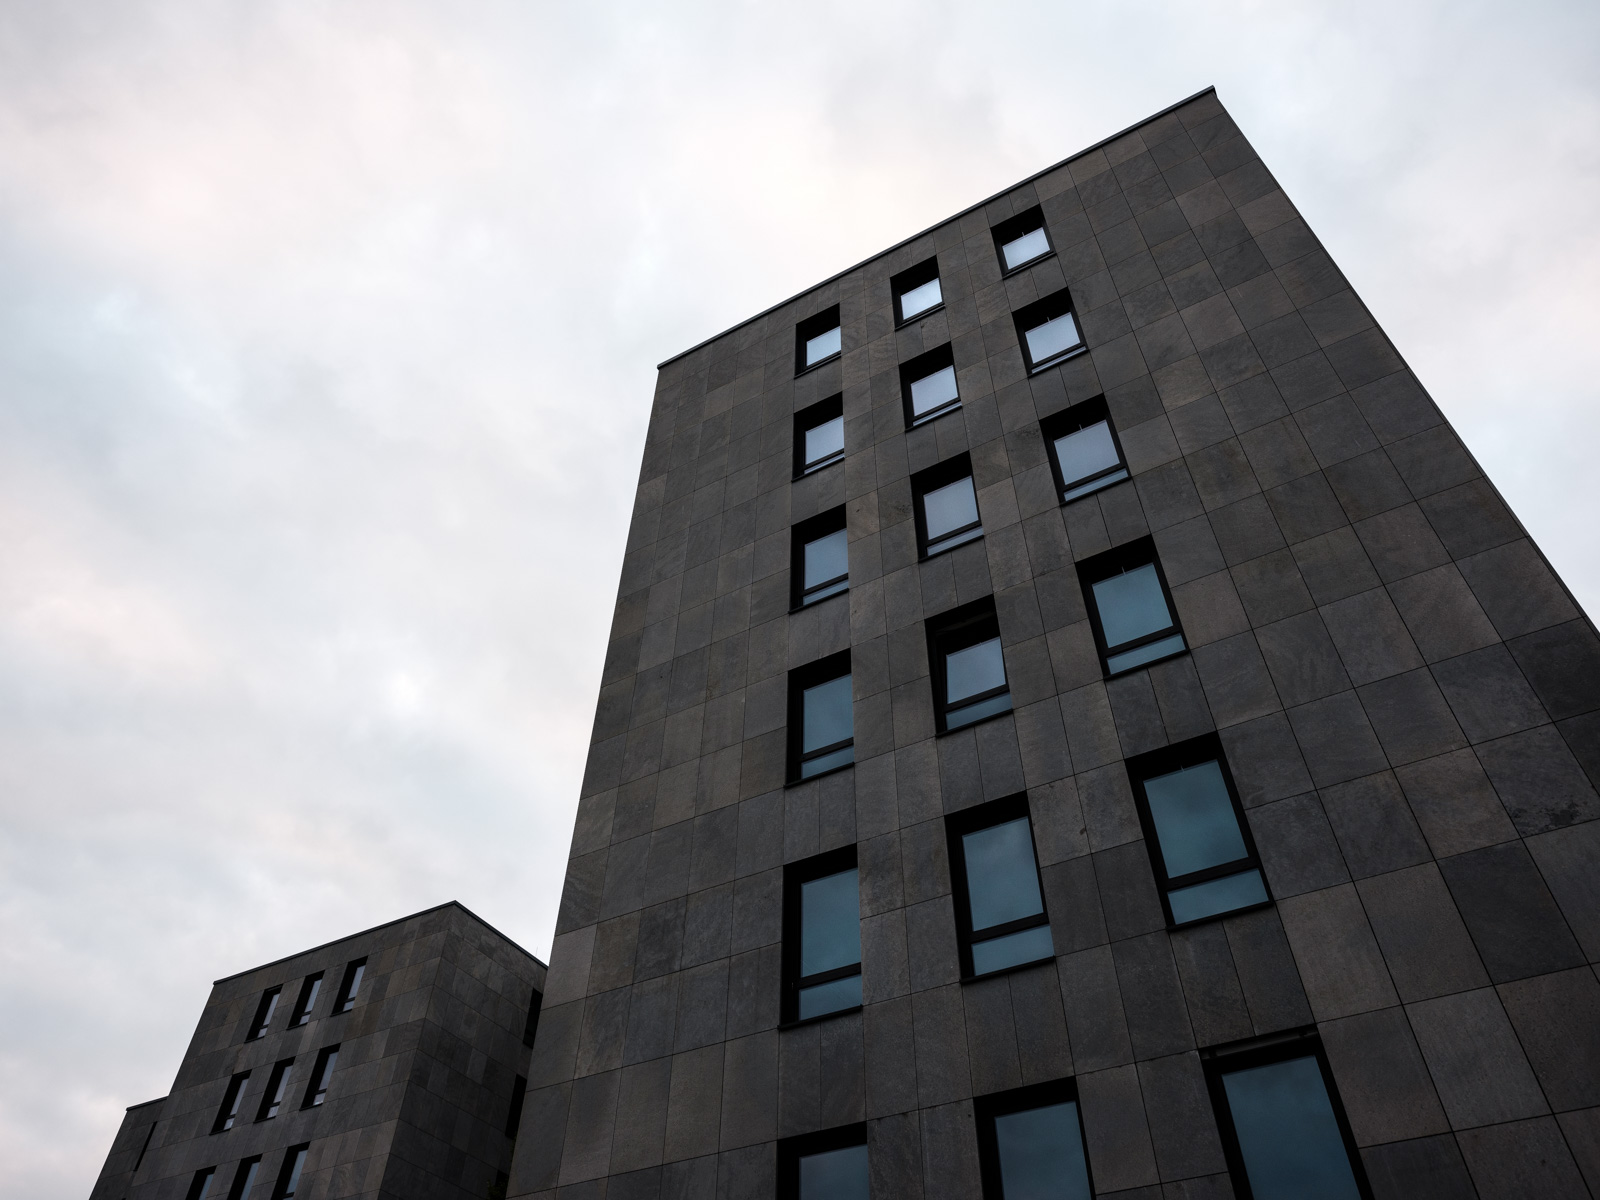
(973, 670)
(1002, 883)
(1131, 605)
(827, 714)
(1194, 817)
(830, 922)
(1085, 453)
(1288, 1134)
(950, 507)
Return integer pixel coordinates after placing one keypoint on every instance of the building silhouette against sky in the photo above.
(1075, 713)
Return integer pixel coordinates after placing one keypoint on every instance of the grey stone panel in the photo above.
(1524, 1158)
(1425, 945)
(1557, 1020)
(1338, 956)
(1510, 913)
(1429, 1168)
(1566, 859)
(1475, 1059)
(1384, 1083)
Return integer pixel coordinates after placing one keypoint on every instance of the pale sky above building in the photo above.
(328, 334)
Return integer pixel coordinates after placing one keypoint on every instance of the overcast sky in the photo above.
(328, 333)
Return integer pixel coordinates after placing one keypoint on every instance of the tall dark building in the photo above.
(391, 1063)
(1077, 717)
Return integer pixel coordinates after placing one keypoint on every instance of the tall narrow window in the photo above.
(819, 562)
(819, 435)
(530, 1027)
(1000, 914)
(1194, 828)
(229, 1112)
(350, 986)
(916, 292)
(264, 1010)
(821, 717)
(1021, 240)
(967, 666)
(945, 506)
(244, 1179)
(1048, 331)
(277, 1089)
(200, 1185)
(821, 936)
(1130, 608)
(831, 1165)
(817, 339)
(321, 1074)
(1284, 1132)
(1085, 454)
(303, 1007)
(1030, 1144)
(294, 1161)
(145, 1148)
(519, 1093)
(928, 385)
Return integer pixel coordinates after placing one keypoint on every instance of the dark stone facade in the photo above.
(418, 1101)
(1408, 697)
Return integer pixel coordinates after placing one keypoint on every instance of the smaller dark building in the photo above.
(389, 1063)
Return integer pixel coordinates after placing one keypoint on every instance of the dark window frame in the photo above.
(1217, 1061)
(1117, 561)
(795, 875)
(801, 678)
(292, 1157)
(1069, 421)
(350, 986)
(241, 1177)
(306, 1002)
(1020, 225)
(801, 534)
(809, 418)
(910, 279)
(322, 1069)
(519, 1094)
(277, 1090)
(200, 1184)
(972, 820)
(1192, 753)
(1002, 1104)
(232, 1102)
(913, 370)
(954, 630)
(931, 479)
(815, 326)
(1047, 308)
(266, 1009)
(792, 1149)
(530, 1028)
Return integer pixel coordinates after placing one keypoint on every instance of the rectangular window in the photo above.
(821, 936)
(1194, 827)
(1000, 916)
(945, 506)
(264, 1010)
(519, 1093)
(309, 990)
(821, 718)
(1085, 454)
(1130, 607)
(321, 1073)
(819, 435)
(277, 1089)
(819, 561)
(200, 1185)
(530, 1028)
(928, 385)
(349, 986)
(1021, 240)
(1048, 331)
(294, 1161)
(229, 1112)
(916, 292)
(1030, 1144)
(831, 1165)
(816, 340)
(244, 1179)
(967, 666)
(1284, 1132)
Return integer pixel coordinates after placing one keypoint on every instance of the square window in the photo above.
(817, 340)
(821, 936)
(1204, 859)
(277, 1089)
(244, 1179)
(967, 666)
(821, 718)
(1130, 607)
(200, 1185)
(946, 506)
(1022, 240)
(1284, 1132)
(928, 385)
(309, 990)
(916, 292)
(294, 1161)
(1048, 331)
(831, 1165)
(1030, 1144)
(349, 986)
(1000, 916)
(321, 1075)
(819, 559)
(1085, 454)
(819, 435)
(265, 1009)
(229, 1112)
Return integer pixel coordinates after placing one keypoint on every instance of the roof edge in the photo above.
(385, 925)
(1105, 141)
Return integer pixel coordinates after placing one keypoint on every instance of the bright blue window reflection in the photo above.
(1041, 1154)
(826, 719)
(933, 391)
(834, 1175)
(1288, 1134)
(1088, 460)
(1055, 336)
(822, 346)
(950, 514)
(920, 299)
(1025, 249)
(1194, 819)
(1132, 607)
(824, 441)
(827, 566)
